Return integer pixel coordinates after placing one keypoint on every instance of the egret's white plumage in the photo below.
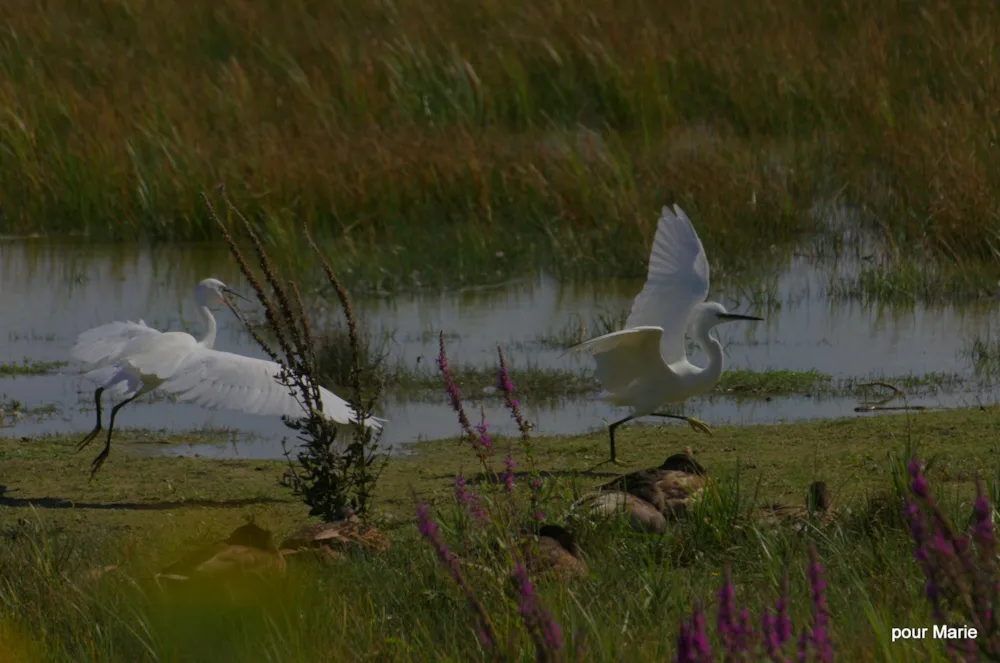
(133, 359)
(645, 365)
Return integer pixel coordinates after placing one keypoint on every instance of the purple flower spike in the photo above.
(468, 498)
(507, 387)
(918, 484)
(451, 389)
(802, 650)
(692, 643)
(782, 623)
(725, 622)
(769, 635)
(545, 632)
(508, 470)
(819, 636)
(428, 529)
(484, 445)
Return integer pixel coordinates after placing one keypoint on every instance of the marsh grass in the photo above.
(398, 605)
(427, 138)
(983, 352)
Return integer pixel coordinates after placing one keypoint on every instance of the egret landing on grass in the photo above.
(133, 359)
(645, 365)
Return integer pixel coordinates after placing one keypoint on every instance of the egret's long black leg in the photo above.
(101, 457)
(696, 424)
(611, 436)
(97, 429)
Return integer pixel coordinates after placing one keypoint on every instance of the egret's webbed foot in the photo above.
(698, 425)
(90, 438)
(101, 457)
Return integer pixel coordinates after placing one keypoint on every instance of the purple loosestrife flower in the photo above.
(508, 470)
(692, 643)
(802, 650)
(699, 639)
(685, 648)
(484, 445)
(467, 498)
(918, 484)
(769, 634)
(428, 529)
(730, 632)
(451, 389)
(507, 387)
(986, 549)
(819, 637)
(536, 492)
(782, 623)
(543, 629)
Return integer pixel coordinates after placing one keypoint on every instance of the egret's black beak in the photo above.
(230, 291)
(737, 316)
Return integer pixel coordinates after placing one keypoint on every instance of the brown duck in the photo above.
(333, 538)
(652, 496)
(554, 551)
(249, 549)
(817, 506)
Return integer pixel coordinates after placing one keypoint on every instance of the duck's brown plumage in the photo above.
(337, 536)
(670, 488)
(249, 549)
(652, 496)
(554, 551)
(817, 505)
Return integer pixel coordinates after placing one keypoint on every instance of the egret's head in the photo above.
(713, 313)
(214, 291)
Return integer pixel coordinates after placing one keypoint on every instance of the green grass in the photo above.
(30, 367)
(142, 512)
(417, 141)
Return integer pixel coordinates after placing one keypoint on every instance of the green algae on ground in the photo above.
(30, 367)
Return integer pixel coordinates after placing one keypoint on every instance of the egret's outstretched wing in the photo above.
(677, 282)
(225, 380)
(625, 357)
(104, 344)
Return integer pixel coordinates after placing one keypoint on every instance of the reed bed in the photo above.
(435, 136)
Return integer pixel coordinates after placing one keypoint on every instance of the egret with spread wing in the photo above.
(110, 346)
(135, 359)
(645, 365)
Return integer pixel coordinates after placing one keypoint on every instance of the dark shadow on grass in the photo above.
(61, 503)
(482, 477)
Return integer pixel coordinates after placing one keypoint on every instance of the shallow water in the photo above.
(52, 291)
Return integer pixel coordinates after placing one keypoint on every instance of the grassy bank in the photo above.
(424, 137)
(142, 512)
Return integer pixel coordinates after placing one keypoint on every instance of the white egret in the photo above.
(133, 359)
(645, 365)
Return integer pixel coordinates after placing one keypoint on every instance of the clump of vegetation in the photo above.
(331, 474)
(962, 579)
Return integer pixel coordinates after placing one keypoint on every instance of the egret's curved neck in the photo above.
(208, 340)
(713, 350)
